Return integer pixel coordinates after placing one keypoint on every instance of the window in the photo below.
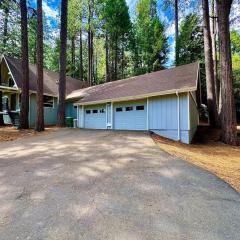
(102, 110)
(140, 107)
(74, 106)
(88, 111)
(95, 111)
(48, 101)
(129, 109)
(119, 109)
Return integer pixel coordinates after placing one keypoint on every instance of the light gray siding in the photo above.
(130, 120)
(95, 120)
(163, 116)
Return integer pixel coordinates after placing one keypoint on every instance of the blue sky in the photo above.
(50, 8)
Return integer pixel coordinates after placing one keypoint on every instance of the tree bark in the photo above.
(228, 110)
(214, 51)
(116, 58)
(24, 122)
(90, 43)
(73, 56)
(107, 58)
(40, 111)
(81, 56)
(5, 27)
(63, 57)
(176, 29)
(1, 116)
(211, 96)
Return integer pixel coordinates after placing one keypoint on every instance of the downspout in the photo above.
(178, 113)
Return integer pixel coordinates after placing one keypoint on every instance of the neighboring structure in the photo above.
(10, 86)
(164, 102)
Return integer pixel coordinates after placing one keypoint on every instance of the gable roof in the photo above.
(179, 79)
(50, 78)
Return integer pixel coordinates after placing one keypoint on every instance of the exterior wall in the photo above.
(50, 114)
(70, 110)
(194, 117)
(163, 116)
(130, 120)
(160, 115)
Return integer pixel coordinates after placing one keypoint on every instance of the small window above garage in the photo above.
(139, 108)
(119, 109)
(129, 109)
(88, 111)
(95, 111)
(102, 110)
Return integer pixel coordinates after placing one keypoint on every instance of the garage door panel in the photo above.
(133, 119)
(95, 117)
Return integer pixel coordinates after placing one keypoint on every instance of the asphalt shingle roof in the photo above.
(50, 78)
(182, 78)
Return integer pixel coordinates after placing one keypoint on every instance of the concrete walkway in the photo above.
(82, 184)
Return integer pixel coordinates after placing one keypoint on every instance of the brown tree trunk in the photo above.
(1, 116)
(81, 56)
(5, 27)
(116, 59)
(107, 60)
(63, 56)
(90, 42)
(73, 56)
(24, 123)
(211, 96)
(176, 29)
(228, 110)
(40, 111)
(214, 50)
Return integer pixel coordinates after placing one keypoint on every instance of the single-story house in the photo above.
(164, 102)
(10, 86)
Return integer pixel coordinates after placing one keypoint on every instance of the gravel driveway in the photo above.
(83, 184)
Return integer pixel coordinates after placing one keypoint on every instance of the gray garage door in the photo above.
(130, 115)
(95, 117)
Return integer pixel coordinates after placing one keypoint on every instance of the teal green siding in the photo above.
(70, 110)
(50, 114)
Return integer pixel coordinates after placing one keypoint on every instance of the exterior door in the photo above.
(95, 117)
(130, 115)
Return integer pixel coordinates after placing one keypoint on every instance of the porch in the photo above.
(10, 105)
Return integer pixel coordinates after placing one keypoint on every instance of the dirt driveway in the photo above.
(82, 184)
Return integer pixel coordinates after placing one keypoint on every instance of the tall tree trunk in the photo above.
(1, 116)
(5, 27)
(122, 61)
(40, 110)
(73, 56)
(90, 42)
(228, 110)
(214, 50)
(176, 29)
(211, 96)
(116, 58)
(107, 58)
(24, 123)
(63, 57)
(81, 56)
